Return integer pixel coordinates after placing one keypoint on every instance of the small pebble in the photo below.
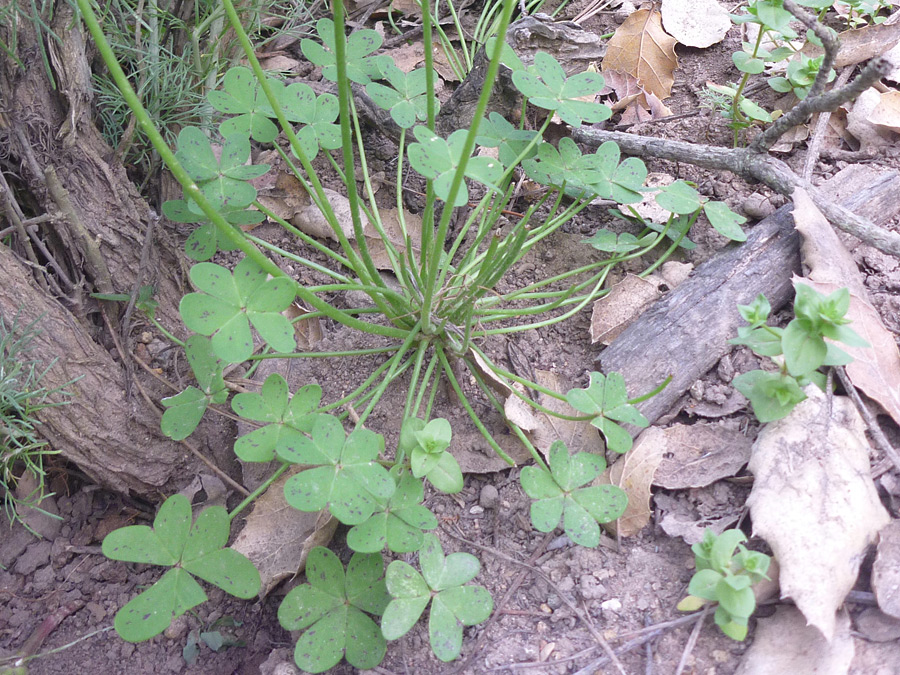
(613, 605)
(489, 497)
(476, 510)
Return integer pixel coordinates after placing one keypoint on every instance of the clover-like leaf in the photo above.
(405, 98)
(496, 131)
(437, 159)
(725, 221)
(243, 97)
(223, 180)
(196, 550)
(453, 605)
(206, 239)
(228, 303)
(772, 395)
(397, 523)
(546, 86)
(350, 481)
(678, 197)
(560, 494)
(317, 115)
(361, 68)
(606, 401)
(334, 609)
(611, 242)
(185, 410)
(289, 421)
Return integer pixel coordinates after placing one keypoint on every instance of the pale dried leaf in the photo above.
(697, 455)
(813, 495)
(623, 304)
(695, 23)
(861, 44)
(279, 63)
(871, 136)
(674, 273)
(35, 510)
(875, 369)
(394, 232)
(887, 112)
(634, 474)
(309, 218)
(281, 193)
(441, 61)
(277, 538)
(643, 49)
(886, 570)
(788, 140)
(409, 8)
(647, 208)
(307, 331)
(692, 531)
(783, 643)
(407, 56)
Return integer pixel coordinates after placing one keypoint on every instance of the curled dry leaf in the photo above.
(887, 112)
(815, 504)
(697, 455)
(623, 304)
(886, 570)
(875, 369)
(637, 104)
(394, 232)
(783, 643)
(307, 331)
(641, 48)
(634, 474)
(695, 23)
(861, 44)
(870, 136)
(277, 538)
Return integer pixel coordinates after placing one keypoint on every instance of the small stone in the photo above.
(97, 611)
(146, 337)
(612, 605)
(177, 629)
(489, 497)
(476, 510)
(36, 555)
(757, 207)
(877, 626)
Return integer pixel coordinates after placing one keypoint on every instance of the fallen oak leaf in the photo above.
(641, 48)
(634, 473)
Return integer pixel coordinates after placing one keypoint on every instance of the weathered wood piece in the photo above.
(686, 332)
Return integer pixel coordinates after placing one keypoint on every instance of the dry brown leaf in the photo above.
(641, 48)
(875, 369)
(623, 304)
(675, 273)
(634, 474)
(280, 63)
(813, 500)
(277, 538)
(886, 570)
(637, 104)
(871, 136)
(783, 643)
(307, 331)
(695, 23)
(406, 57)
(391, 224)
(697, 455)
(887, 112)
(861, 44)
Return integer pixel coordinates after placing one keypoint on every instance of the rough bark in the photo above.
(111, 437)
(88, 235)
(700, 315)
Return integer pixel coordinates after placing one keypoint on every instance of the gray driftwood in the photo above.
(686, 332)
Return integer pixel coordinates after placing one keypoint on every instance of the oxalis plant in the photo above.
(441, 310)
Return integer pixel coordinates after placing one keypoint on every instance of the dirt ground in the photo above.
(557, 604)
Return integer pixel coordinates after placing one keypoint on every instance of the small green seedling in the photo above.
(802, 344)
(185, 410)
(726, 577)
(606, 401)
(453, 604)
(334, 608)
(426, 446)
(560, 493)
(190, 550)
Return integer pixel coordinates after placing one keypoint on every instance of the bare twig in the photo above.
(815, 143)
(692, 641)
(874, 429)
